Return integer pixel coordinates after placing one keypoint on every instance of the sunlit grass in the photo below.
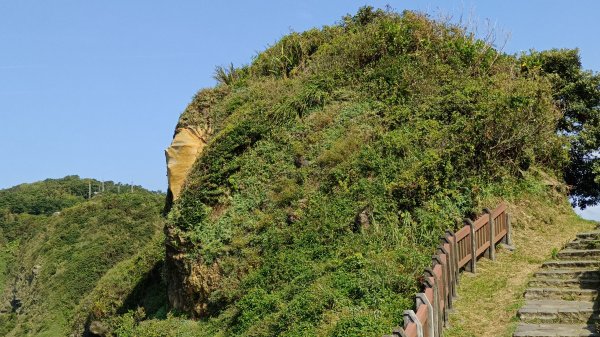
(488, 301)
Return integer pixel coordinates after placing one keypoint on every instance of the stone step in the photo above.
(561, 294)
(568, 254)
(555, 330)
(584, 244)
(589, 235)
(571, 283)
(558, 311)
(575, 273)
(571, 264)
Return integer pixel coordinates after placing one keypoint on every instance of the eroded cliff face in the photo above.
(184, 276)
(187, 144)
(189, 283)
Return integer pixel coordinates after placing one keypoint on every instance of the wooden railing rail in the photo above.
(457, 251)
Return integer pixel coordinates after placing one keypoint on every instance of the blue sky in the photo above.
(95, 88)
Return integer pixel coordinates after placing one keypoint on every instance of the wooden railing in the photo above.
(457, 251)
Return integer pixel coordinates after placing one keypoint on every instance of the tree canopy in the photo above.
(577, 94)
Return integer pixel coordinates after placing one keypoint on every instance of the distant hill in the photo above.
(56, 244)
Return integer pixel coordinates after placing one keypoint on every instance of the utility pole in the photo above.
(103, 186)
(119, 188)
(89, 189)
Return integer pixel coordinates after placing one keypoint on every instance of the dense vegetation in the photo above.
(56, 245)
(335, 160)
(340, 155)
(577, 94)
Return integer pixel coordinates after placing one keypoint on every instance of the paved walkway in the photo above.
(562, 298)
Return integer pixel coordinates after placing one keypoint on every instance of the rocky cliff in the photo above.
(182, 153)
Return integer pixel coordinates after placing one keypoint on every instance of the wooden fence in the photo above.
(457, 251)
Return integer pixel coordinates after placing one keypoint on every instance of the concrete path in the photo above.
(562, 299)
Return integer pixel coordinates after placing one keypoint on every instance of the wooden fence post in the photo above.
(455, 268)
(509, 229)
(436, 295)
(472, 266)
(448, 284)
(421, 298)
(444, 283)
(411, 317)
(492, 233)
(428, 284)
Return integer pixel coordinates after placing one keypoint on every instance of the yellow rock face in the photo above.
(181, 155)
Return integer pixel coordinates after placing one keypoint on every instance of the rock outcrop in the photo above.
(187, 144)
(190, 283)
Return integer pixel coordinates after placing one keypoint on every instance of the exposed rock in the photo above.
(16, 304)
(98, 329)
(362, 220)
(303, 203)
(190, 283)
(300, 161)
(292, 217)
(36, 270)
(187, 144)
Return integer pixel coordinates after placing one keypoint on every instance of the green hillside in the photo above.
(340, 155)
(333, 163)
(56, 244)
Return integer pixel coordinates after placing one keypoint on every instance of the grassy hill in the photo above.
(335, 161)
(56, 244)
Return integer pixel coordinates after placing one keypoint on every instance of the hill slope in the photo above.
(56, 245)
(334, 162)
(309, 188)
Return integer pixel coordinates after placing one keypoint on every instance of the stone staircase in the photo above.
(562, 298)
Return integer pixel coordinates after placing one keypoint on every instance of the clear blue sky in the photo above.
(95, 88)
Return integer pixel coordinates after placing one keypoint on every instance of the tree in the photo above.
(577, 95)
